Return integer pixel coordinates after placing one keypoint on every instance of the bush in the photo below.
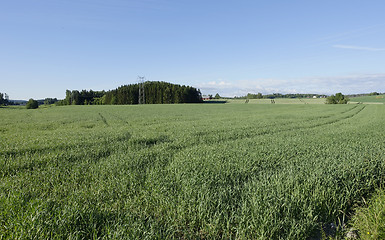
(339, 98)
(370, 220)
(32, 104)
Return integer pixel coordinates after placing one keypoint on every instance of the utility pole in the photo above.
(142, 99)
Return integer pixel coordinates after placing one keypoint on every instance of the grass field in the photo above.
(199, 171)
(369, 99)
(276, 100)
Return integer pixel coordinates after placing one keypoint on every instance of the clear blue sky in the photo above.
(229, 47)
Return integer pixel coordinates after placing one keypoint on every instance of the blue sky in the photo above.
(225, 47)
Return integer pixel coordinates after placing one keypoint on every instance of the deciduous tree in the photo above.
(339, 98)
(32, 104)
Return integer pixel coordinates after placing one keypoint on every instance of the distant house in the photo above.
(205, 97)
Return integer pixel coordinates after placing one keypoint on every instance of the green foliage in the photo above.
(32, 104)
(155, 93)
(254, 96)
(370, 220)
(279, 95)
(339, 98)
(3, 99)
(217, 96)
(186, 171)
(369, 99)
(49, 101)
(82, 98)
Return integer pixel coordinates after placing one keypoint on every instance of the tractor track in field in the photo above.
(104, 119)
(286, 123)
(206, 136)
(288, 127)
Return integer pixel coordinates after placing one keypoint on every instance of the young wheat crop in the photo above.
(209, 171)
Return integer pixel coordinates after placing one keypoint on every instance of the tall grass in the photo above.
(186, 171)
(369, 220)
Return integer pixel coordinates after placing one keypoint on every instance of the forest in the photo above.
(155, 92)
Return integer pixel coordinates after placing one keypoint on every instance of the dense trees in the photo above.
(32, 104)
(155, 93)
(49, 101)
(254, 96)
(3, 99)
(82, 98)
(339, 98)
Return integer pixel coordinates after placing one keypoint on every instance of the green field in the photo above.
(276, 100)
(369, 99)
(186, 171)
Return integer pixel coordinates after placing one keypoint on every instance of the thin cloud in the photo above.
(359, 48)
(351, 34)
(348, 84)
(218, 84)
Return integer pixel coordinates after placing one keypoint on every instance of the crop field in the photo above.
(276, 100)
(369, 99)
(186, 171)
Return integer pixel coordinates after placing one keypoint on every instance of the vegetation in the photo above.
(339, 98)
(32, 104)
(49, 101)
(365, 94)
(369, 99)
(278, 101)
(370, 220)
(192, 171)
(279, 95)
(82, 98)
(254, 96)
(3, 99)
(155, 93)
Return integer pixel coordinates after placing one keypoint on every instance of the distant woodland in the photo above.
(279, 95)
(155, 93)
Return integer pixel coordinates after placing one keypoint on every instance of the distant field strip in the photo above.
(186, 171)
(369, 99)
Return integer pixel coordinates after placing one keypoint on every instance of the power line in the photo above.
(142, 99)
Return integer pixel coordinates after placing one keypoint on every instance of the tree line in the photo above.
(155, 92)
(279, 95)
(365, 94)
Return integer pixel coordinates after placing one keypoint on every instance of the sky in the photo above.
(219, 46)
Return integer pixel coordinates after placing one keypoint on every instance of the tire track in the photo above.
(246, 133)
(104, 119)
